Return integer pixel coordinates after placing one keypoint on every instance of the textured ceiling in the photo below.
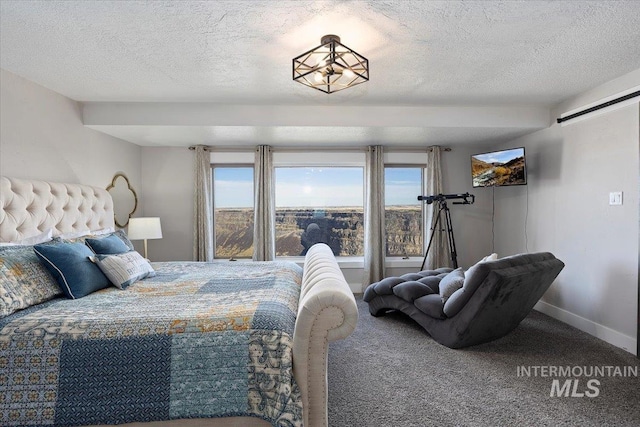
(421, 53)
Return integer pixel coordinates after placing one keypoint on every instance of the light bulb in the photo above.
(321, 63)
(348, 73)
(318, 77)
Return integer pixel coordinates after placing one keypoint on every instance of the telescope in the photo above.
(467, 199)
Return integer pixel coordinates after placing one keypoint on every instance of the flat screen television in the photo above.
(499, 168)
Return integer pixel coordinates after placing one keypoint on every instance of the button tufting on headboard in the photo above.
(29, 207)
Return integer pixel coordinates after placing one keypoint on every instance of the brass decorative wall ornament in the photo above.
(125, 199)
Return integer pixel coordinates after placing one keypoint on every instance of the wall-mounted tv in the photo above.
(499, 168)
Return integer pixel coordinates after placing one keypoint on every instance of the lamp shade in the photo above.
(144, 228)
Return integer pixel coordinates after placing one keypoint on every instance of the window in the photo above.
(403, 211)
(233, 211)
(319, 204)
(319, 197)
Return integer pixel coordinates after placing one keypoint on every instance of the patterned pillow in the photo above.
(107, 245)
(23, 280)
(71, 265)
(124, 269)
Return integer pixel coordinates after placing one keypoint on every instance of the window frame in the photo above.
(410, 158)
(228, 165)
(327, 159)
(423, 209)
(351, 157)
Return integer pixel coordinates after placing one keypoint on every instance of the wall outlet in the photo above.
(615, 198)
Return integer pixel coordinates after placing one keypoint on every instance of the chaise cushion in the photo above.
(433, 282)
(431, 305)
(411, 290)
(430, 278)
(385, 286)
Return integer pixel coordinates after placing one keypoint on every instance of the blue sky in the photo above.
(315, 187)
(500, 156)
(402, 186)
(233, 187)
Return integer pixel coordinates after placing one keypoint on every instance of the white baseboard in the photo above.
(609, 335)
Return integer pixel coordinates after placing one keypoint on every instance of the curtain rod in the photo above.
(599, 106)
(315, 148)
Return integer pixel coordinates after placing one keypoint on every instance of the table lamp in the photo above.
(143, 229)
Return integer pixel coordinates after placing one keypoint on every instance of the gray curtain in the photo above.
(374, 229)
(264, 239)
(439, 254)
(203, 210)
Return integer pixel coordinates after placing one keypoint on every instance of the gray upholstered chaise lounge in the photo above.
(494, 298)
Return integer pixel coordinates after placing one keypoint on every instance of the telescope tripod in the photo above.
(452, 243)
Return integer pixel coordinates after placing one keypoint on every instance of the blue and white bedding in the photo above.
(198, 340)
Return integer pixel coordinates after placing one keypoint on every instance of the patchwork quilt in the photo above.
(198, 340)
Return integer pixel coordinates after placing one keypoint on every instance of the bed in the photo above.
(193, 344)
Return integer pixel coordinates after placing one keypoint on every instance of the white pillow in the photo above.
(107, 230)
(45, 236)
(74, 234)
(492, 257)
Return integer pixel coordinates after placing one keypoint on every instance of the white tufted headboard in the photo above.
(29, 207)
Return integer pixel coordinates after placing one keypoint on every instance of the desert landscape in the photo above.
(297, 229)
(487, 174)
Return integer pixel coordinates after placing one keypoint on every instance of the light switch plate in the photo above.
(615, 198)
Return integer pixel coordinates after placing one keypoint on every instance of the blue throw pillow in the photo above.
(121, 234)
(109, 245)
(71, 265)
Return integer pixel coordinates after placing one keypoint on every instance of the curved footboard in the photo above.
(327, 312)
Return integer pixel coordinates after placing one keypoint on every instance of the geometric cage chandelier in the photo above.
(331, 66)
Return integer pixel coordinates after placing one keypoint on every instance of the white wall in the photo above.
(571, 170)
(472, 226)
(168, 186)
(42, 137)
